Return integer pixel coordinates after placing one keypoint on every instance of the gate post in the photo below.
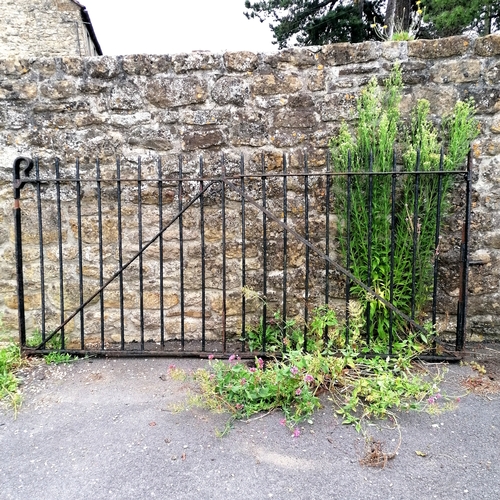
(464, 261)
(20, 176)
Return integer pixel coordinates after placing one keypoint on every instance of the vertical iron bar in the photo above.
(40, 240)
(436, 244)
(264, 256)
(327, 239)
(464, 260)
(203, 252)
(160, 246)
(80, 252)
(141, 260)
(285, 241)
(243, 256)
(348, 249)
(369, 249)
(120, 252)
(393, 249)
(306, 236)
(416, 232)
(60, 248)
(224, 270)
(101, 267)
(181, 251)
(17, 183)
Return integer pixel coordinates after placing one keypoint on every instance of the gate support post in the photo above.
(464, 261)
(22, 167)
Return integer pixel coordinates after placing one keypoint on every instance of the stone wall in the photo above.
(289, 102)
(43, 28)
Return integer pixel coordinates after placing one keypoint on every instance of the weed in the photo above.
(57, 358)
(406, 260)
(10, 361)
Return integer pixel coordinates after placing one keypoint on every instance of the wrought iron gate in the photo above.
(139, 259)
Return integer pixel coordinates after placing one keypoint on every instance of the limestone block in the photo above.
(231, 90)
(104, 67)
(241, 61)
(146, 64)
(202, 138)
(460, 71)
(488, 46)
(347, 53)
(272, 84)
(442, 47)
(295, 119)
(338, 106)
(166, 92)
(297, 57)
(196, 61)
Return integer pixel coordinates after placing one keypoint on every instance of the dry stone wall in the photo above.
(293, 101)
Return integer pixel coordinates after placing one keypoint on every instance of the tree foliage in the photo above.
(317, 22)
(455, 17)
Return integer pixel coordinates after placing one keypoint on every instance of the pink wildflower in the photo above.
(252, 369)
(232, 358)
(298, 392)
(210, 356)
(294, 370)
(243, 381)
(308, 378)
(260, 361)
(296, 432)
(283, 421)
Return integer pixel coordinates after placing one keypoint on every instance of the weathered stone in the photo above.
(241, 61)
(59, 89)
(151, 138)
(105, 67)
(174, 92)
(249, 128)
(488, 46)
(14, 66)
(202, 139)
(442, 47)
(316, 81)
(295, 119)
(275, 84)
(297, 57)
(125, 97)
(394, 51)
(347, 53)
(456, 71)
(415, 72)
(338, 106)
(73, 66)
(196, 61)
(146, 64)
(18, 90)
(205, 117)
(231, 90)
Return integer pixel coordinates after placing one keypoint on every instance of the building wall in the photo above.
(239, 102)
(43, 28)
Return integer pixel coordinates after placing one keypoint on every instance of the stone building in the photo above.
(46, 28)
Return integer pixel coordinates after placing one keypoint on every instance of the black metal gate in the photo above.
(139, 258)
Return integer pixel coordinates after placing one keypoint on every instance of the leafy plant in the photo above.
(57, 358)
(370, 212)
(10, 361)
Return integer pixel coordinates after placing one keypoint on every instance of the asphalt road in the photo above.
(116, 429)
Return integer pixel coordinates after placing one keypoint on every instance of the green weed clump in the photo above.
(10, 361)
(360, 386)
(370, 213)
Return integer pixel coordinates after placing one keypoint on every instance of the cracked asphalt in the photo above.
(118, 429)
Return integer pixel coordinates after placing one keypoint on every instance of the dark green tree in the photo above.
(317, 22)
(455, 17)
